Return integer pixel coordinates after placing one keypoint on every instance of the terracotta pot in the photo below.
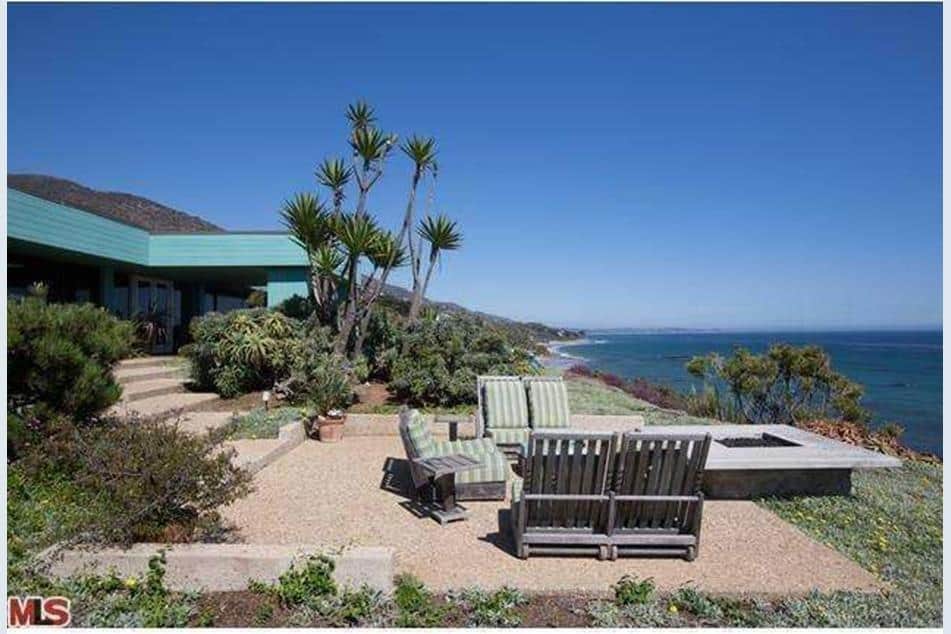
(330, 429)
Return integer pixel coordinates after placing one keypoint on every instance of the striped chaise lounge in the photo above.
(485, 483)
(502, 412)
(547, 402)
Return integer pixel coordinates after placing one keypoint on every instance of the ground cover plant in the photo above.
(260, 423)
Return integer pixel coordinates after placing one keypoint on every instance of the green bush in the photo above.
(441, 358)
(59, 362)
(307, 583)
(416, 606)
(319, 379)
(242, 351)
(153, 480)
(630, 590)
(784, 385)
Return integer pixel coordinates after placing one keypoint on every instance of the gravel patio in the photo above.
(355, 493)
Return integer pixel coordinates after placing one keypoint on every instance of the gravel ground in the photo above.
(354, 493)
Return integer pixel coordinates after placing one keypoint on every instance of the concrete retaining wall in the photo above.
(224, 567)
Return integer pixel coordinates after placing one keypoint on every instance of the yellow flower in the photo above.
(672, 608)
(130, 582)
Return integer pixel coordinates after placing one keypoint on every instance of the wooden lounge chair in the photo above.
(502, 413)
(656, 503)
(547, 402)
(562, 505)
(486, 483)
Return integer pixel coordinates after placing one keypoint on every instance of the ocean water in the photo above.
(900, 370)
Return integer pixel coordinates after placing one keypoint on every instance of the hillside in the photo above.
(128, 208)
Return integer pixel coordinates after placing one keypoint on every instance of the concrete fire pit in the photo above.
(748, 461)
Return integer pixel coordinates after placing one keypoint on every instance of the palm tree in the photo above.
(442, 234)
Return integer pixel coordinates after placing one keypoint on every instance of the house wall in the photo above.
(284, 283)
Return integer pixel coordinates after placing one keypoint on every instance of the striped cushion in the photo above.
(420, 437)
(517, 485)
(477, 446)
(549, 401)
(495, 468)
(510, 436)
(505, 405)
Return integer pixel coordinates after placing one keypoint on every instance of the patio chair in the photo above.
(547, 402)
(656, 503)
(485, 483)
(561, 506)
(502, 412)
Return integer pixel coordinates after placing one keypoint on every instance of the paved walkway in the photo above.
(354, 493)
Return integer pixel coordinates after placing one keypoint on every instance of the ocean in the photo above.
(900, 370)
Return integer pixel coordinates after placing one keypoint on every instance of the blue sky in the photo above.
(729, 166)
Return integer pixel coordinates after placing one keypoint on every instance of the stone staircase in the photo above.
(155, 388)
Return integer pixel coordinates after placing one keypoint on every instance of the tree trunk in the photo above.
(420, 294)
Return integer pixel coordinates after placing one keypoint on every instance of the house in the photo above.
(134, 256)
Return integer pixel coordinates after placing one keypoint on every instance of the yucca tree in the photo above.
(442, 234)
(359, 235)
(370, 148)
(334, 174)
(339, 242)
(313, 228)
(422, 151)
(361, 115)
(387, 255)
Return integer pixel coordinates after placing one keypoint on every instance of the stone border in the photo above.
(223, 567)
(288, 436)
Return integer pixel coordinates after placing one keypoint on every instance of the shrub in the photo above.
(441, 359)
(383, 340)
(242, 351)
(297, 307)
(784, 385)
(155, 480)
(630, 590)
(493, 609)
(302, 584)
(59, 362)
(416, 606)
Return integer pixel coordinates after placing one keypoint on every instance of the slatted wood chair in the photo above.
(502, 413)
(656, 503)
(562, 504)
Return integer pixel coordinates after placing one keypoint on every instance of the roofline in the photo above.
(155, 233)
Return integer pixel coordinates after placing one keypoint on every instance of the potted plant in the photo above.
(328, 393)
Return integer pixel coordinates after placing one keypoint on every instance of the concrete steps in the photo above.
(139, 362)
(201, 422)
(145, 388)
(126, 375)
(162, 407)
